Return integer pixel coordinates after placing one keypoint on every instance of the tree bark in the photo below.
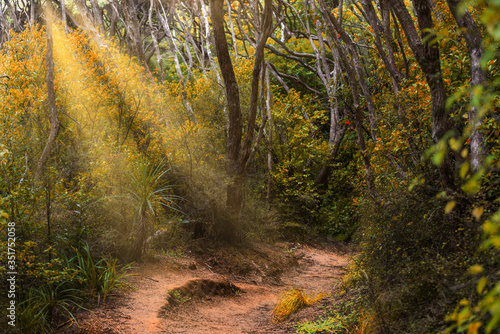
(97, 14)
(353, 82)
(155, 41)
(175, 53)
(336, 28)
(474, 44)
(269, 141)
(266, 27)
(427, 54)
(233, 145)
(236, 161)
(134, 32)
(54, 120)
(63, 16)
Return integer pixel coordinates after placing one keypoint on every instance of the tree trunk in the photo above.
(63, 16)
(427, 54)
(236, 162)
(235, 127)
(353, 82)
(54, 120)
(266, 26)
(97, 14)
(155, 41)
(270, 140)
(473, 40)
(134, 32)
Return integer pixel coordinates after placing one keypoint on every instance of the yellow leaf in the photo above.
(455, 145)
(449, 206)
(465, 152)
(477, 212)
(476, 269)
(472, 186)
(464, 169)
(481, 285)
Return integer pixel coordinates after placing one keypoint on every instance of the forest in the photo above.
(234, 134)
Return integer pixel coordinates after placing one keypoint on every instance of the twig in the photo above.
(240, 277)
(209, 268)
(151, 278)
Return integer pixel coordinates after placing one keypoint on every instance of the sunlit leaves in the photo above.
(477, 212)
(449, 206)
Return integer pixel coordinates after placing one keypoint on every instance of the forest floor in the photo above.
(211, 293)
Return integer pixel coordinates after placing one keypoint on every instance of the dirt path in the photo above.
(246, 310)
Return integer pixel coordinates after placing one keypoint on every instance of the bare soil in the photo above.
(211, 294)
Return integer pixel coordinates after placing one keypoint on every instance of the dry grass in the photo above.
(367, 324)
(291, 301)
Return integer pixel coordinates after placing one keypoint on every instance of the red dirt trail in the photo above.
(246, 311)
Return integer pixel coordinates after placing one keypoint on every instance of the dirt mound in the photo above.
(251, 263)
(198, 289)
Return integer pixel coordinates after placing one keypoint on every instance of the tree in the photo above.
(237, 156)
(51, 96)
(427, 55)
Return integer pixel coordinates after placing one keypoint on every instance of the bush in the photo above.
(291, 301)
(414, 259)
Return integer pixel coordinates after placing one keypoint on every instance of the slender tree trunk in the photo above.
(54, 120)
(63, 16)
(13, 16)
(406, 64)
(113, 19)
(427, 54)
(473, 40)
(231, 27)
(389, 61)
(155, 41)
(234, 192)
(265, 27)
(269, 141)
(4, 28)
(175, 53)
(353, 82)
(32, 12)
(236, 162)
(134, 32)
(97, 14)
(337, 131)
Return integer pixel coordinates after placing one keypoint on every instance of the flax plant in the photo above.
(148, 190)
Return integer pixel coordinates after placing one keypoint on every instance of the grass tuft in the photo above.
(291, 301)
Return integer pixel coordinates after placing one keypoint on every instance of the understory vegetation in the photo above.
(135, 128)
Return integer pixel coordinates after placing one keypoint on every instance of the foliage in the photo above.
(328, 325)
(343, 316)
(99, 278)
(44, 303)
(414, 258)
(147, 190)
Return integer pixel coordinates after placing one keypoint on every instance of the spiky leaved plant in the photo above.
(148, 190)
